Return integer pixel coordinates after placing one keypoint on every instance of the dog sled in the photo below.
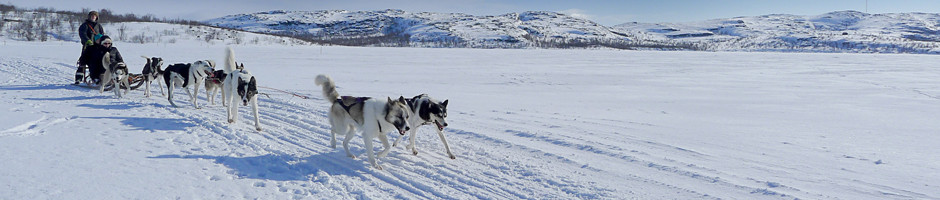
(134, 80)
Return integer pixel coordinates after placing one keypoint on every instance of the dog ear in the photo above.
(390, 102)
(444, 104)
(252, 85)
(402, 100)
(242, 66)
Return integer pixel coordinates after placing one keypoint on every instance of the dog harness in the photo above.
(347, 102)
(217, 77)
(353, 104)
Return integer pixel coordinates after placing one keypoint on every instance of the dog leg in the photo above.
(411, 142)
(441, 134)
(193, 96)
(127, 85)
(232, 109)
(232, 113)
(333, 138)
(117, 87)
(349, 135)
(369, 151)
(160, 82)
(223, 94)
(105, 80)
(254, 110)
(384, 138)
(147, 90)
(169, 89)
(395, 144)
(209, 96)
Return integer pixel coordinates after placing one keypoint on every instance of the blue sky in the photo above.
(606, 12)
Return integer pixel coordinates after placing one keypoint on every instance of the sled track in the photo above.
(296, 131)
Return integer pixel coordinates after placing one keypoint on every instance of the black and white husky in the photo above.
(116, 75)
(241, 83)
(185, 75)
(372, 116)
(424, 110)
(152, 72)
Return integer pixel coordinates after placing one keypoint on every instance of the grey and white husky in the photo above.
(116, 75)
(424, 110)
(372, 116)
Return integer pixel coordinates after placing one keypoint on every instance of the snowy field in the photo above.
(524, 124)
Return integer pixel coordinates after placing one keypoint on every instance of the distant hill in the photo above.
(41, 26)
(843, 31)
(425, 29)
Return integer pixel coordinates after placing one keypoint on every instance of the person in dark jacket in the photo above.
(88, 32)
(93, 55)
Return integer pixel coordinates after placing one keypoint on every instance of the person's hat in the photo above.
(104, 39)
(92, 13)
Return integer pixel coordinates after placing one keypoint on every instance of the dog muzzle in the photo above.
(439, 126)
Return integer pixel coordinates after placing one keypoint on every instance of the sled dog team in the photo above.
(374, 117)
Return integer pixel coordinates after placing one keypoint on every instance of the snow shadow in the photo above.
(152, 124)
(45, 87)
(113, 106)
(285, 167)
(75, 98)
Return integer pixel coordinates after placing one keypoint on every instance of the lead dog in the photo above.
(152, 73)
(116, 75)
(424, 110)
(185, 75)
(241, 82)
(372, 116)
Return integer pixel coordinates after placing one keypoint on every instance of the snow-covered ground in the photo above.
(524, 124)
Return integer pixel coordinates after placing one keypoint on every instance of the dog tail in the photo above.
(106, 60)
(329, 88)
(229, 60)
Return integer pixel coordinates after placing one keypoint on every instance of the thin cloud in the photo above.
(577, 13)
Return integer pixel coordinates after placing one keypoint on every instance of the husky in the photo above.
(216, 83)
(424, 110)
(185, 75)
(152, 71)
(116, 75)
(372, 116)
(242, 83)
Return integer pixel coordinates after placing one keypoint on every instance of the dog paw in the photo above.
(378, 167)
(452, 157)
(414, 151)
(231, 121)
(258, 128)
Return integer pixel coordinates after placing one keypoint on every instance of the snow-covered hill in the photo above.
(511, 30)
(844, 31)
